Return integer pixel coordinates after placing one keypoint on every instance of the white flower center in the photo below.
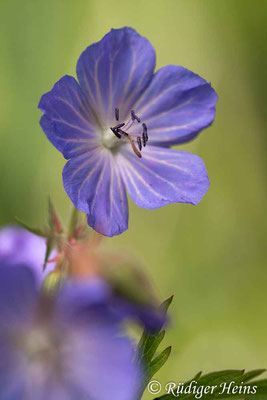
(109, 140)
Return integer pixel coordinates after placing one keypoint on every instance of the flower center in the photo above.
(41, 349)
(38, 344)
(136, 140)
(108, 140)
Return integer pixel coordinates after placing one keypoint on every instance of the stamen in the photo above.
(134, 116)
(145, 131)
(119, 126)
(139, 143)
(122, 132)
(134, 147)
(140, 140)
(116, 133)
(144, 139)
(117, 114)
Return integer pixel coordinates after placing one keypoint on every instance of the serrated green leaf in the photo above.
(150, 341)
(146, 341)
(217, 378)
(158, 362)
(151, 346)
(36, 231)
(148, 346)
(198, 375)
(261, 393)
(252, 374)
(221, 376)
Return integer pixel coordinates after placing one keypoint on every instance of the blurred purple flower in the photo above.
(19, 246)
(52, 348)
(118, 108)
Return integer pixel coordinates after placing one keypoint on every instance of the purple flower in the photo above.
(116, 126)
(51, 348)
(19, 246)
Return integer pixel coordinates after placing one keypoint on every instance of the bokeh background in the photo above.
(213, 256)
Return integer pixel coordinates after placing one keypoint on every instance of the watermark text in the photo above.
(199, 391)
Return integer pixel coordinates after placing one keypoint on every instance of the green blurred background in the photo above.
(213, 256)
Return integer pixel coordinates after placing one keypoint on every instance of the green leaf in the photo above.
(221, 376)
(218, 379)
(146, 342)
(158, 362)
(198, 375)
(149, 342)
(36, 231)
(252, 374)
(150, 345)
(261, 393)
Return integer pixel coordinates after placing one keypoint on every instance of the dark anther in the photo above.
(119, 126)
(122, 132)
(145, 131)
(144, 139)
(116, 133)
(134, 116)
(139, 143)
(117, 114)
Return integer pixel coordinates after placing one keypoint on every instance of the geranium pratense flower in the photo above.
(52, 348)
(116, 126)
(19, 246)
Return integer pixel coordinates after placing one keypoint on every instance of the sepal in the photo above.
(37, 231)
(54, 221)
(50, 244)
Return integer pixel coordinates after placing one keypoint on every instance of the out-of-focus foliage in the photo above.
(213, 256)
